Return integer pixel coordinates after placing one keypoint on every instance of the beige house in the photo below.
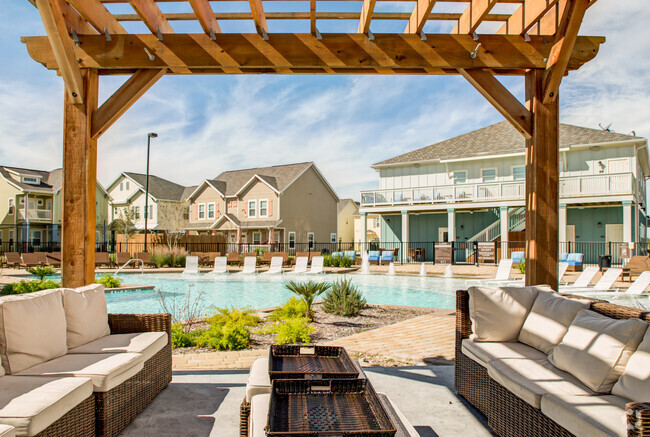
(31, 205)
(167, 204)
(346, 210)
(373, 227)
(284, 204)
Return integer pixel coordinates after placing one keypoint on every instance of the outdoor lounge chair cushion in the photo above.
(106, 371)
(596, 348)
(32, 329)
(634, 383)
(259, 415)
(531, 379)
(593, 416)
(549, 320)
(7, 431)
(86, 314)
(497, 314)
(32, 403)
(146, 343)
(484, 351)
(258, 378)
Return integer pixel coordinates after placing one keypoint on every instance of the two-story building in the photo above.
(31, 204)
(289, 204)
(345, 213)
(167, 204)
(471, 188)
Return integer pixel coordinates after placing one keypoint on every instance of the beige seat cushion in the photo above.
(146, 343)
(32, 403)
(634, 383)
(531, 379)
(497, 314)
(86, 314)
(258, 378)
(484, 351)
(105, 370)
(32, 329)
(549, 320)
(587, 416)
(596, 348)
(7, 431)
(259, 415)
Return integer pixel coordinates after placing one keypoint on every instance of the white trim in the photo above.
(198, 211)
(496, 174)
(289, 234)
(332, 234)
(453, 177)
(259, 241)
(259, 204)
(512, 172)
(259, 178)
(207, 210)
(248, 208)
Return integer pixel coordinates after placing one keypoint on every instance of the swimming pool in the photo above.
(263, 291)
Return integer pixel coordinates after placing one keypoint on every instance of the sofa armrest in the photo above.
(463, 322)
(638, 419)
(129, 323)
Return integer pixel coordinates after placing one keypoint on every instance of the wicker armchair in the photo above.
(507, 414)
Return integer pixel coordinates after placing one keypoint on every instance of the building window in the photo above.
(127, 185)
(252, 204)
(49, 205)
(39, 202)
(11, 206)
(292, 240)
(136, 212)
(210, 210)
(489, 174)
(186, 213)
(201, 211)
(257, 238)
(264, 210)
(519, 173)
(30, 180)
(22, 201)
(310, 239)
(121, 186)
(116, 212)
(150, 212)
(333, 237)
(377, 221)
(11, 236)
(460, 177)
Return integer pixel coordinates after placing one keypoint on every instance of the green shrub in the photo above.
(109, 281)
(41, 271)
(308, 291)
(344, 299)
(229, 336)
(293, 330)
(336, 261)
(224, 316)
(181, 338)
(29, 286)
(163, 256)
(294, 307)
(522, 267)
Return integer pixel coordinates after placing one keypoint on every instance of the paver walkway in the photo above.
(420, 340)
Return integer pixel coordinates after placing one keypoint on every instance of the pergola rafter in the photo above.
(538, 40)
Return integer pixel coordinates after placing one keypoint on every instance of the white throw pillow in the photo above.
(549, 320)
(596, 348)
(86, 314)
(634, 383)
(497, 314)
(32, 329)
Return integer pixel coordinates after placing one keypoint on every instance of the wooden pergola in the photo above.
(537, 39)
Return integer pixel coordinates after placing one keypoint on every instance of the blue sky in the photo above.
(208, 124)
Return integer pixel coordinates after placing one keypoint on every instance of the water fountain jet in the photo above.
(391, 269)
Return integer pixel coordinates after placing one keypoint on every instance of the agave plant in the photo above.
(344, 299)
(308, 292)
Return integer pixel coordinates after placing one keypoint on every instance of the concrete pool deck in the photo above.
(206, 403)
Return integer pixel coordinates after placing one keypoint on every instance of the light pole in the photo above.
(146, 193)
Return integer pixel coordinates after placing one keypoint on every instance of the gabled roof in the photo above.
(499, 139)
(159, 188)
(277, 176)
(343, 203)
(45, 184)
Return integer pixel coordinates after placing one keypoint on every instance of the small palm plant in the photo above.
(344, 299)
(308, 292)
(41, 271)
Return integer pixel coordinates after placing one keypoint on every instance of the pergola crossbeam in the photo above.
(473, 16)
(74, 21)
(98, 16)
(419, 16)
(367, 10)
(152, 16)
(257, 9)
(525, 17)
(205, 16)
(117, 104)
(502, 100)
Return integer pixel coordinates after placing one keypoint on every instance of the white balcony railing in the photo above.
(578, 186)
(35, 214)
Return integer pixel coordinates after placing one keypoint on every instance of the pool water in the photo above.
(262, 291)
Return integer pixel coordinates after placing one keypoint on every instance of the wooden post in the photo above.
(542, 178)
(79, 186)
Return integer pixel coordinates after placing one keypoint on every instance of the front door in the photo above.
(443, 235)
(614, 233)
(571, 233)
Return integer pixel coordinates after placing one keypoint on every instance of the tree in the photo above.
(172, 219)
(124, 223)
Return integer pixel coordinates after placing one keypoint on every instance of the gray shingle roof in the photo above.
(160, 188)
(500, 138)
(278, 176)
(50, 180)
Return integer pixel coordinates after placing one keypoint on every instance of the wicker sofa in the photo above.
(523, 393)
(71, 369)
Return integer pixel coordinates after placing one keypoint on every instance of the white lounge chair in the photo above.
(191, 265)
(220, 265)
(502, 276)
(584, 280)
(276, 266)
(316, 265)
(637, 288)
(604, 283)
(301, 265)
(562, 268)
(250, 262)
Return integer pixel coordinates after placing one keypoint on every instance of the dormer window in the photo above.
(30, 180)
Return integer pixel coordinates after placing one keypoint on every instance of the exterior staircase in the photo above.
(517, 222)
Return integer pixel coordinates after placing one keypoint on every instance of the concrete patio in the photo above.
(206, 403)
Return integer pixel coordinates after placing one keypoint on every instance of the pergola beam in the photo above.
(525, 17)
(152, 16)
(117, 104)
(473, 16)
(61, 46)
(499, 96)
(74, 21)
(367, 9)
(312, 16)
(561, 51)
(98, 16)
(257, 9)
(419, 16)
(205, 16)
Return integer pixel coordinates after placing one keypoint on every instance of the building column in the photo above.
(363, 220)
(405, 234)
(451, 224)
(562, 223)
(27, 239)
(628, 221)
(505, 229)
